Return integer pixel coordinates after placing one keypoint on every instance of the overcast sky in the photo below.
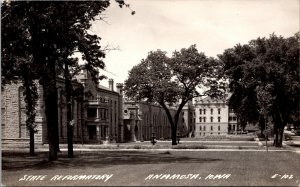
(213, 25)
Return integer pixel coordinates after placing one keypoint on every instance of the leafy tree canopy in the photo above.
(169, 81)
(264, 78)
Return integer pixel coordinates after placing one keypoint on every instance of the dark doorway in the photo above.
(92, 132)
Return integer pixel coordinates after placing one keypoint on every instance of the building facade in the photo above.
(214, 117)
(96, 113)
(102, 112)
(211, 117)
(143, 120)
(13, 115)
(188, 120)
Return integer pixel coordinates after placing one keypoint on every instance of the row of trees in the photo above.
(263, 79)
(38, 43)
(39, 40)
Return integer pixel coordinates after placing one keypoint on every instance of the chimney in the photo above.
(111, 84)
(120, 88)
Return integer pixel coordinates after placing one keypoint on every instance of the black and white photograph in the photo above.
(150, 93)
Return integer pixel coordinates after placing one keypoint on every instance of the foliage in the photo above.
(17, 62)
(49, 33)
(173, 81)
(264, 80)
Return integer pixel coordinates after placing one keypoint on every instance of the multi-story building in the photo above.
(232, 122)
(102, 111)
(214, 117)
(142, 119)
(188, 119)
(211, 117)
(96, 113)
(14, 115)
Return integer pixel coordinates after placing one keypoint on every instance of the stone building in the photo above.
(102, 111)
(211, 117)
(13, 114)
(97, 115)
(188, 120)
(214, 117)
(142, 119)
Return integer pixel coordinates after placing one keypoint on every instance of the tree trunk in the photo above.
(174, 134)
(52, 129)
(51, 110)
(70, 140)
(280, 136)
(262, 126)
(68, 88)
(31, 141)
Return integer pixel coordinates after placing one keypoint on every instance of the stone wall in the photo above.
(151, 118)
(14, 115)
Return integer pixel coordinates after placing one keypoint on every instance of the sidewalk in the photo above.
(159, 146)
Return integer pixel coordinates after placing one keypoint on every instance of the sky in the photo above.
(169, 25)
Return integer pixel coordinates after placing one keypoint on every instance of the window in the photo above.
(204, 119)
(200, 119)
(91, 112)
(3, 116)
(105, 113)
(234, 119)
(204, 134)
(204, 128)
(200, 133)
(230, 118)
(125, 111)
(233, 127)
(211, 128)
(211, 119)
(219, 111)
(211, 111)
(219, 128)
(219, 119)
(204, 111)
(200, 128)
(200, 111)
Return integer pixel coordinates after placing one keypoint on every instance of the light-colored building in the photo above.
(211, 117)
(232, 122)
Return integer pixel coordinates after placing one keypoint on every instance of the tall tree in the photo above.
(53, 28)
(17, 63)
(265, 69)
(173, 81)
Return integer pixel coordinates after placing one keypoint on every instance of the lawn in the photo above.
(130, 168)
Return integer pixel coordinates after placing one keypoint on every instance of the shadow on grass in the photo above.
(22, 161)
(294, 145)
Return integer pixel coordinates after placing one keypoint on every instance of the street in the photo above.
(158, 168)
